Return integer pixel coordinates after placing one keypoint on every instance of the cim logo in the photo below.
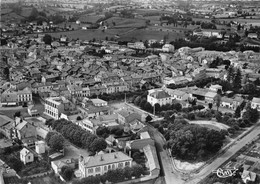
(225, 173)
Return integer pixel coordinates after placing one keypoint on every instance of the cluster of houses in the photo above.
(164, 95)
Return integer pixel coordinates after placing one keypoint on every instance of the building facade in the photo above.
(100, 164)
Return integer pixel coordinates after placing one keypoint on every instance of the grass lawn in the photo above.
(210, 124)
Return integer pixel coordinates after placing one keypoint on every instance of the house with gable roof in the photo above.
(26, 156)
(6, 125)
(25, 131)
(102, 163)
(158, 96)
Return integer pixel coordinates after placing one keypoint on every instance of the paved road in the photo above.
(227, 155)
(171, 176)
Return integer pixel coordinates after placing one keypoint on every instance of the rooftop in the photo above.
(105, 159)
(160, 94)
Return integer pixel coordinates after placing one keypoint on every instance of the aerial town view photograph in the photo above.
(130, 92)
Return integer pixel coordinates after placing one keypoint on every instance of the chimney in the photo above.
(101, 158)
(115, 156)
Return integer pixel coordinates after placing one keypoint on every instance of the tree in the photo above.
(237, 80)
(79, 118)
(17, 114)
(67, 172)
(138, 170)
(217, 100)
(200, 107)
(57, 141)
(128, 172)
(178, 107)
(210, 105)
(47, 39)
(230, 74)
(137, 101)
(148, 118)
(91, 179)
(142, 103)
(237, 112)
(115, 176)
(136, 155)
(16, 164)
(157, 107)
(49, 136)
(98, 144)
(148, 107)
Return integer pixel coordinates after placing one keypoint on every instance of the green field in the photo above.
(127, 34)
(90, 18)
(12, 17)
(90, 34)
(124, 22)
(149, 34)
(147, 11)
(26, 11)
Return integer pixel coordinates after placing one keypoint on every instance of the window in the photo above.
(105, 168)
(127, 163)
(29, 157)
(90, 170)
(97, 169)
(113, 166)
(109, 167)
(121, 164)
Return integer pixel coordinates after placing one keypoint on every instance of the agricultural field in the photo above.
(153, 19)
(5, 11)
(150, 11)
(90, 18)
(150, 34)
(125, 22)
(90, 34)
(26, 11)
(11, 17)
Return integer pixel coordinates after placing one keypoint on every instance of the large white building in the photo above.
(101, 163)
(158, 96)
(86, 124)
(54, 106)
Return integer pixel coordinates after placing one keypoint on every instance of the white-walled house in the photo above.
(255, 104)
(159, 96)
(26, 156)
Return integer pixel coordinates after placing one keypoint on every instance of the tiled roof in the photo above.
(160, 94)
(105, 159)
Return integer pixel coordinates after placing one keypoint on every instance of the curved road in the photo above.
(224, 157)
(172, 176)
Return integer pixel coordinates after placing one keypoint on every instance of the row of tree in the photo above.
(192, 142)
(55, 140)
(77, 135)
(114, 176)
